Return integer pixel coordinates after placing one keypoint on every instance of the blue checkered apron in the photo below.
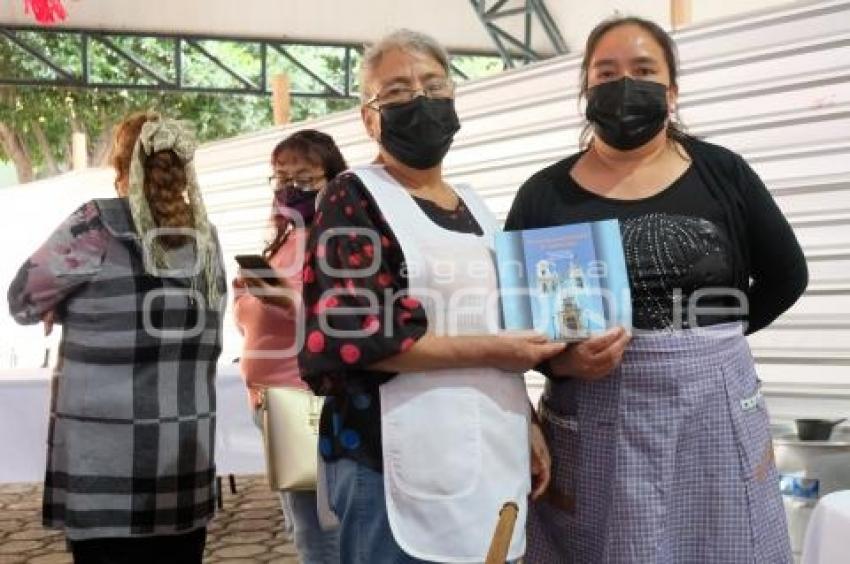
(668, 460)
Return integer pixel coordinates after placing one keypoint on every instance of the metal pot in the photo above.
(815, 429)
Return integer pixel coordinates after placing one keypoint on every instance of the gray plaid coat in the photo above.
(132, 422)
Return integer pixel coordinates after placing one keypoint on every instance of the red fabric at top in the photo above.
(46, 11)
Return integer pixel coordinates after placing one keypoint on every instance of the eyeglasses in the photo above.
(399, 94)
(303, 181)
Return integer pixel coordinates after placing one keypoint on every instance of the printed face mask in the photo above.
(291, 200)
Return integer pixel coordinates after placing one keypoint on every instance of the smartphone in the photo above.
(258, 267)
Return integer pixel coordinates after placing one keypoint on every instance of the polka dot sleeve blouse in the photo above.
(357, 313)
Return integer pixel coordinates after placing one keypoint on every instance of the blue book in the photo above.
(567, 282)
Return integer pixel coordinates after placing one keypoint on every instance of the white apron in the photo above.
(455, 442)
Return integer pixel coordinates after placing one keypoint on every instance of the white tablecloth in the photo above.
(828, 534)
(24, 407)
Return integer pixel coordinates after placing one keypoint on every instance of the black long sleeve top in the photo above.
(715, 227)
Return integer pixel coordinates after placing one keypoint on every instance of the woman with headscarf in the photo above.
(137, 284)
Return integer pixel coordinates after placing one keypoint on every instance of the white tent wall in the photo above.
(774, 86)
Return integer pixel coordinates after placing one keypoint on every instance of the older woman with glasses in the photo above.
(425, 429)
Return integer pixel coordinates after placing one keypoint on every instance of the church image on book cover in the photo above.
(567, 282)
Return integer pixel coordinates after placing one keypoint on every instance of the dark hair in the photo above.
(675, 128)
(316, 147)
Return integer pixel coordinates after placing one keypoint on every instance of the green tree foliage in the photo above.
(36, 123)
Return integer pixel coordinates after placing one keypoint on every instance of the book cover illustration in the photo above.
(567, 282)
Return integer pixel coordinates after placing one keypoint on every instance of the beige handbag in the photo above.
(291, 435)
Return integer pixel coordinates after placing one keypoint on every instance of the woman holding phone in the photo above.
(266, 310)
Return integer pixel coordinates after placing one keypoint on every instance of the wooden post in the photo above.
(79, 151)
(681, 13)
(280, 99)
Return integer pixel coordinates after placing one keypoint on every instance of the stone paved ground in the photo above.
(247, 531)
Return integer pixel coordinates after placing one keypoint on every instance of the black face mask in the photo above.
(419, 133)
(627, 113)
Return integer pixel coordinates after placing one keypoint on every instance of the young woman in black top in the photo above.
(660, 439)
